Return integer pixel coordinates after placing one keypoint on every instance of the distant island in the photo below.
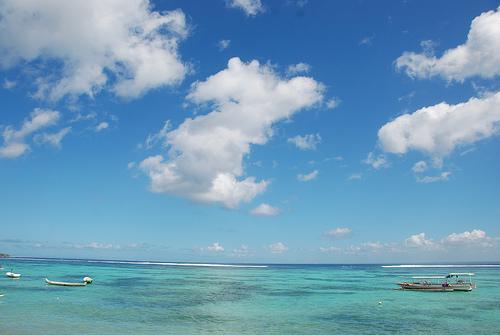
(4, 255)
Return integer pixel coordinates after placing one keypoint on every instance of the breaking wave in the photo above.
(206, 265)
(443, 266)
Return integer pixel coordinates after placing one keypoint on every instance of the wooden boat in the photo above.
(85, 282)
(449, 283)
(13, 275)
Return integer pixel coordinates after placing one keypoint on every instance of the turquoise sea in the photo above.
(148, 298)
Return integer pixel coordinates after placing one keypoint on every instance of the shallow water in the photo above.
(129, 298)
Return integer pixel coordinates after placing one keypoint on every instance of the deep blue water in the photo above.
(278, 299)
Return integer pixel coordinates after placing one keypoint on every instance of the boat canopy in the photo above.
(429, 277)
(461, 274)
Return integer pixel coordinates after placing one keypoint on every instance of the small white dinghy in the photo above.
(13, 275)
(86, 280)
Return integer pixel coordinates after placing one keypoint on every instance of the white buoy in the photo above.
(380, 302)
(88, 280)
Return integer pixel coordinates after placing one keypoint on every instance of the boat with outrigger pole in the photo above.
(455, 281)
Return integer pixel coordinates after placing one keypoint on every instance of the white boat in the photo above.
(13, 275)
(461, 281)
(452, 282)
(86, 280)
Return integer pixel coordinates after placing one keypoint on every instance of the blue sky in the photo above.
(251, 131)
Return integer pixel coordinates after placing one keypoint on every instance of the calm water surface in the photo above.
(279, 299)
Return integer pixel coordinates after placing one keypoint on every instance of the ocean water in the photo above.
(131, 298)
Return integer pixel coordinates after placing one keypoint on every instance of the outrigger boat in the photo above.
(452, 282)
(86, 281)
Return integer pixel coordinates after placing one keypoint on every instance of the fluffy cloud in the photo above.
(101, 126)
(419, 241)
(250, 7)
(333, 103)
(298, 68)
(215, 247)
(419, 167)
(467, 237)
(120, 45)
(9, 84)
(478, 56)
(277, 248)
(377, 162)
(437, 130)
(53, 139)
(15, 141)
(338, 232)
(306, 142)
(224, 44)
(242, 251)
(206, 152)
(265, 210)
(308, 177)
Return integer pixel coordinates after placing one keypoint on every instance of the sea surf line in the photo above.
(143, 262)
(443, 266)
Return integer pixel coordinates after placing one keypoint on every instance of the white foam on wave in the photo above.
(214, 265)
(443, 266)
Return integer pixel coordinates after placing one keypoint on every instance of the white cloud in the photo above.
(478, 56)
(308, 177)
(250, 7)
(9, 84)
(101, 126)
(330, 250)
(14, 141)
(377, 162)
(373, 247)
(159, 137)
(53, 139)
(338, 232)
(298, 68)
(224, 44)
(419, 167)
(206, 152)
(123, 46)
(96, 245)
(419, 241)
(437, 130)
(242, 251)
(467, 237)
(367, 40)
(306, 142)
(265, 210)
(355, 176)
(443, 176)
(215, 247)
(333, 103)
(277, 248)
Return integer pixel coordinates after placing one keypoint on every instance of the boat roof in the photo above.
(461, 274)
(429, 277)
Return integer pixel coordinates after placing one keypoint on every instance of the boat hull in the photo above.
(59, 283)
(436, 287)
(13, 275)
